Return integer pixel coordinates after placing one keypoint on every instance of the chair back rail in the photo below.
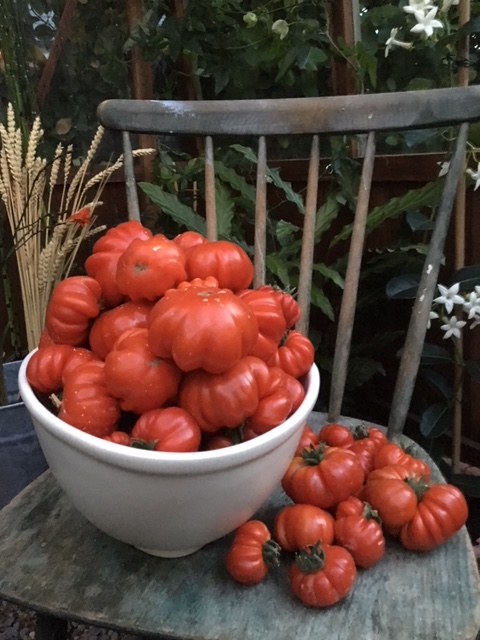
(337, 115)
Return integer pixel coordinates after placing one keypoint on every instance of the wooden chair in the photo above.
(54, 561)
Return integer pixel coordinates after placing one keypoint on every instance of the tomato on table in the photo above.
(299, 525)
(323, 476)
(252, 553)
(322, 575)
(358, 528)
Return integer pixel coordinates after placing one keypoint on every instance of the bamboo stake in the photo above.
(459, 257)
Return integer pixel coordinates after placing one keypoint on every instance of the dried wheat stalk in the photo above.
(46, 242)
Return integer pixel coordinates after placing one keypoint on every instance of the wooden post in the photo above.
(344, 22)
(142, 86)
(459, 257)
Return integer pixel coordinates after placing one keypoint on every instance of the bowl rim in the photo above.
(171, 462)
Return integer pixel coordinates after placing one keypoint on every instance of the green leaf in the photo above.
(320, 300)
(284, 231)
(237, 182)
(279, 268)
(286, 187)
(435, 420)
(171, 205)
(473, 368)
(437, 382)
(274, 176)
(468, 277)
(402, 287)
(426, 196)
(361, 370)
(417, 221)
(225, 209)
(468, 484)
(325, 216)
(329, 273)
(432, 354)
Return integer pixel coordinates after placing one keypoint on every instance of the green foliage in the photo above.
(237, 49)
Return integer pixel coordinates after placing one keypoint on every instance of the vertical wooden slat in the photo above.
(130, 182)
(463, 52)
(210, 206)
(349, 298)
(308, 239)
(260, 246)
(417, 328)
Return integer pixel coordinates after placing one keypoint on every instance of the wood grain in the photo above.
(53, 560)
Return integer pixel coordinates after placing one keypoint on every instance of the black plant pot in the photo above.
(21, 458)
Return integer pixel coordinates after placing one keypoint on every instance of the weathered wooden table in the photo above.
(54, 561)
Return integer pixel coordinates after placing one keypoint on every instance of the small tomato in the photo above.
(252, 553)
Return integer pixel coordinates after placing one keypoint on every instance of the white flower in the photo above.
(475, 175)
(452, 327)
(426, 22)
(472, 305)
(449, 297)
(432, 316)
(418, 5)
(475, 323)
(444, 166)
(250, 19)
(393, 42)
(280, 27)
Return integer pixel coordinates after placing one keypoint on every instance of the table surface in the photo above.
(54, 561)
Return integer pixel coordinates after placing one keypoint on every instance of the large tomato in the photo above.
(49, 365)
(270, 320)
(290, 307)
(169, 429)
(119, 238)
(148, 268)
(224, 399)
(295, 356)
(323, 476)
(72, 305)
(251, 553)
(224, 260)
(322, 575)
(189, 239)
(366, 442)
(103, 267)
(274, 406)
(394, 499)
(298, 525)
(392, 453)
(110, 325)
(201, 328)
(441, 511)
(86, 403)
(45, 367)
(138, 379)
(360, 532)
(335, 435)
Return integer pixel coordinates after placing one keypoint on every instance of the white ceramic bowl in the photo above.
(167, 504)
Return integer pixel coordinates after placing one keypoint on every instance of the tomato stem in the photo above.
(313, 455)
(310, 559)
(271, 553)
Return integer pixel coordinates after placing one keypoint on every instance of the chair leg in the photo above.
(50, 627)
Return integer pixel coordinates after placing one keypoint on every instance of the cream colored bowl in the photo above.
(167, 504)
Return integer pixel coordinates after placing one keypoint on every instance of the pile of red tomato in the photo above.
(164, 344)
(350, 489)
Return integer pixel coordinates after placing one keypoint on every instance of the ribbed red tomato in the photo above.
(201, 328)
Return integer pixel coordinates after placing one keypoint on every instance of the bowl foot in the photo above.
(169, 554)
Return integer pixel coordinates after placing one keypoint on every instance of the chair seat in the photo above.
(54, 561)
